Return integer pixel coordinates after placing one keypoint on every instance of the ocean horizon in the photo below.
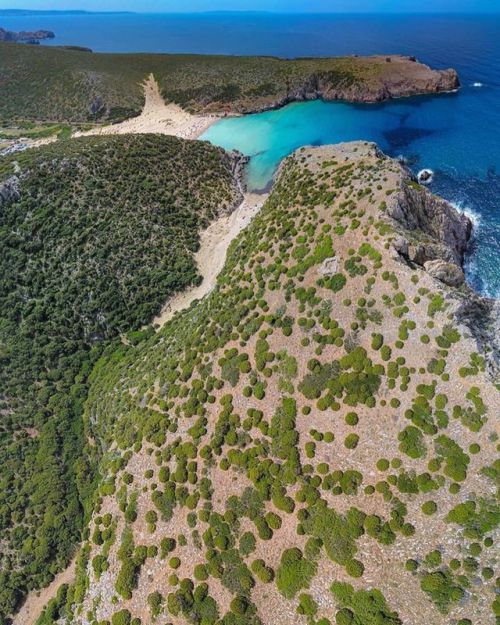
(455, 135)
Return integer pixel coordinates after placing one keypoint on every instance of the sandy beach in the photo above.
(157, 117)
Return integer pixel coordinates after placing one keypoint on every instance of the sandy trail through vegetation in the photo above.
(37, 600)
(158, 117)
(211, 256)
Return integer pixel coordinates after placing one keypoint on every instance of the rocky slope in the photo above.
(313, 443)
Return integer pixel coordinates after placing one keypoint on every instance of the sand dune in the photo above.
(157, 117)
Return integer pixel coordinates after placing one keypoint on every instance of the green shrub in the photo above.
(123, 617)
(429, 508)
(351, 441)
(294, 572)
(442, 589)
(366, 607)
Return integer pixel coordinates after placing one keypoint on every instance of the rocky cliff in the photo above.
(393, 77)
(435, 229)
(351, 79)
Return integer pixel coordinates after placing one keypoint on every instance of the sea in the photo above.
(457, 135)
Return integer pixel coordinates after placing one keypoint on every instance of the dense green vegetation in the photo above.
(98, 234)
(64, 85)
(45, 84)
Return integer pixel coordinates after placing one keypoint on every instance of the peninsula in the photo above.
(26, 36)
(56, 85)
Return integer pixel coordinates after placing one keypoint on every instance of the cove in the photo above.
(450, 134)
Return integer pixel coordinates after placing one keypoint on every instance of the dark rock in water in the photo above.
(449, 273)
(425, 176)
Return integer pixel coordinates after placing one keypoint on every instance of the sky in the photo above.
(302, 6)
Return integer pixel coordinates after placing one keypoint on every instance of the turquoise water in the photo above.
(421, 131)
(456, 135)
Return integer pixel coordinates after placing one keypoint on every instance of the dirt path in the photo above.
(157, 117)
(37, 600)
(211, 256)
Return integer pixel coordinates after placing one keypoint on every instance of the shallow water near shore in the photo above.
(456, 135)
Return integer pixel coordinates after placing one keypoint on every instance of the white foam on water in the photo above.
(422, 172)
(477, 84)
(472, 215)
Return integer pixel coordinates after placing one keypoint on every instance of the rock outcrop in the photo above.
(9, 191)
(482, 316)
(400, 77)
(449, 273)
(422, 213)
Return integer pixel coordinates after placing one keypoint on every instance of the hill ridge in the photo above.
(315, 427)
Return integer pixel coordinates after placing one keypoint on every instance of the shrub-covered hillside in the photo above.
(313, 443)
(95, 234)
(54, 85)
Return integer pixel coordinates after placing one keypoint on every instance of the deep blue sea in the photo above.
(456, 135)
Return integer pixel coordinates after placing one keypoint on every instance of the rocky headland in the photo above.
(26, 36)
(356, 79)
(67, 86)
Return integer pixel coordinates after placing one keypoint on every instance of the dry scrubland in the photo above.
(314, 442)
